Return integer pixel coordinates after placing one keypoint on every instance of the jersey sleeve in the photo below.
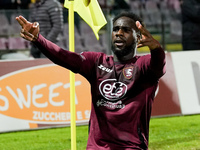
(153, 65)
(78, 63)
(158, 62)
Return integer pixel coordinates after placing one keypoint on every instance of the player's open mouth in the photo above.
(119, 43)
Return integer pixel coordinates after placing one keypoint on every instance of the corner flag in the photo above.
(90, 12)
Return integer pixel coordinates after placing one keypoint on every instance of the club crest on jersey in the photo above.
(128, 72)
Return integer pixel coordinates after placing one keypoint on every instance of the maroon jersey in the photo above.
(122, 94)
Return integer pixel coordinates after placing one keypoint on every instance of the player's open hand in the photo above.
(147, 39)
(29, 30)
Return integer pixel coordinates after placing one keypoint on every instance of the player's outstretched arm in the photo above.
(29, 30)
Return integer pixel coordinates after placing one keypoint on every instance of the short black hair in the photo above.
(130, 15)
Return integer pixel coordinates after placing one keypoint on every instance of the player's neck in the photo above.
(124, 58)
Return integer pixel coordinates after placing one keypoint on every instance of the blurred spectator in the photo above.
(14, 4)
(23, 4)
(62, 1)
(191, 24)
(119, 5)
(7, 4)
(49, 14)
(174, 5)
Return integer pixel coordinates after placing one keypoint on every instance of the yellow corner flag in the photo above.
(90, 12)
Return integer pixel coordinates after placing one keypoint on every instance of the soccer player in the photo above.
(122, 86)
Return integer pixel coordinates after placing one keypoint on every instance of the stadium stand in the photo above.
(162, 19)
(16, 43)
(3, 43)
(4, 25)
(89, 41)
(135, 6)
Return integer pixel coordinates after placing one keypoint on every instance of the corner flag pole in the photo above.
(90, 12)
(72, 77)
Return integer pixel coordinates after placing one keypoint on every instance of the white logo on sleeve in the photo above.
(112, 90)
(104, 68)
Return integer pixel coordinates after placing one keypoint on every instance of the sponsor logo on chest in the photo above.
(112, 90)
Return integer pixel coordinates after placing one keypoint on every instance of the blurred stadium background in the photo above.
(162, 19)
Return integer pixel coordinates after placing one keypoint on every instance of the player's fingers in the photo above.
(22, 35)
(23, 19)
(142, 29)
(27, 34)
(20, 21)
(29, 38)
(144, 40)
(139, 45)
(26, 37)
(146, 43)
(35, 24)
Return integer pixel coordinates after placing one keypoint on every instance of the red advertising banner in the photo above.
(167, 100)
(35, 94)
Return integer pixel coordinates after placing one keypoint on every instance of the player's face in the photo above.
(124, 38)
